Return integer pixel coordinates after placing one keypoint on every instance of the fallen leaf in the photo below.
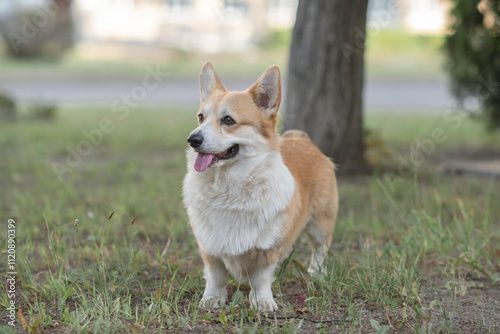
(301, 301)
(136, 329)
(223, 318)
(21, 317)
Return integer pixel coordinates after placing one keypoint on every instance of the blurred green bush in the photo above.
(473, 55)
(7, 108)
(40, 32)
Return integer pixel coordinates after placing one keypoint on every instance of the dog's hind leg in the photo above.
(319, 231)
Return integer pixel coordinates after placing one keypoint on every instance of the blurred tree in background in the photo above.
(325, 79)
(46, 31)
(473, 51)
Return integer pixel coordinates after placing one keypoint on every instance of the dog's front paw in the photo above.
(264, 305)
(212, 302)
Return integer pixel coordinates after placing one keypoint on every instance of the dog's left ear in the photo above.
(266, 92)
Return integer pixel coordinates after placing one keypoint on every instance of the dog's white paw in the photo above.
(264, 305)
(317, 272)
(212, 302)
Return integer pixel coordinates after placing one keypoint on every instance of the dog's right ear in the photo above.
(209, 81)
(266, 91)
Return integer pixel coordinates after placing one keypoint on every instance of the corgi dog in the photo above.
(250, 192)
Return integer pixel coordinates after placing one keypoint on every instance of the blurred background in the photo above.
(60, 55)
(92, 51)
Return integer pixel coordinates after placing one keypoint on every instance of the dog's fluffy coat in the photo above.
(249, 192)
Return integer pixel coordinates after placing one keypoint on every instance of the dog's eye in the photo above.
(200, 118)
(228, 120)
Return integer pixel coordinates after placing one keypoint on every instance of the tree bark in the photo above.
(325, 79)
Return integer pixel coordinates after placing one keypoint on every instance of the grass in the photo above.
(105, 246)
(399, 54)
(389, 53)
(178, 65)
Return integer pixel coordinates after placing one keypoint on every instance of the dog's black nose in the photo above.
(195, 140)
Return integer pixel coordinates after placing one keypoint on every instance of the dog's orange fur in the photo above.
(316, 187)
(315, 190)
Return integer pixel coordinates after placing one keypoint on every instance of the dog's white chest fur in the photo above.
(235, 209)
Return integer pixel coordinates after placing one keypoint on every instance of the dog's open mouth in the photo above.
(205, 160)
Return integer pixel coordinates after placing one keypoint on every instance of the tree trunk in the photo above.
(325, 78)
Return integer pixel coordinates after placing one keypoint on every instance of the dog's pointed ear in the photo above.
(266, 92)
(209, 81)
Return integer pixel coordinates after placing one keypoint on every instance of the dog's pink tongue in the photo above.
(203, 161)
